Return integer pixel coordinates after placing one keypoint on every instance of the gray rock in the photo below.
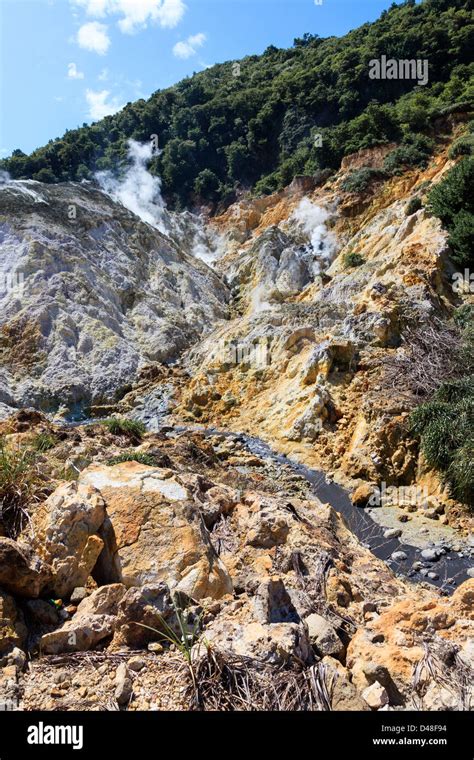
(392, 533)
(323, 636)
(136, 663)
(78, 594)
(123, 685)
(430, 555)
(272, 603)
(399, 556)
(16, 657)
(376, 696)
(142, 613)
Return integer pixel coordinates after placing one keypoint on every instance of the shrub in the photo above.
(444, 424)
(446, 432)
(206, 184)
(353, 259)
(463, 146)
(132, 429)
(413, 205)
(183, 633)
(414, 151)
(452, 200)
(464, 316)
(361, 179)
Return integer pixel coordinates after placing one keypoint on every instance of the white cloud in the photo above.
(100, 105)
(136, 13)
(189, 47)
(73, 73)
(93, 36)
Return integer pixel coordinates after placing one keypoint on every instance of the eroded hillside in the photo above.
(307, 360)
(157, 557)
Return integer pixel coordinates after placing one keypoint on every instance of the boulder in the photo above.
(274, 644)
(323, 636)
(22, 572)
(310, 424)
(264, 625)
(268, 527)
(94, 621)
(155, 532)
(63, 532)
(344, 695)
(78, 595)
(362, 495)
(143, 615)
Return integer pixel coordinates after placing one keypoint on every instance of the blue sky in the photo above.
(66, 62)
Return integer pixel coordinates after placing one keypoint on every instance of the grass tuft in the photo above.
(19, 487)
(133, 429)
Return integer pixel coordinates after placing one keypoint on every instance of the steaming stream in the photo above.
(451, 569)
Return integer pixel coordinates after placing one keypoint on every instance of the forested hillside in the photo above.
(257, 123)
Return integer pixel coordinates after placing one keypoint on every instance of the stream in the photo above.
(451, 569)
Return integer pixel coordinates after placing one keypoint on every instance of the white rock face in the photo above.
(89, 294)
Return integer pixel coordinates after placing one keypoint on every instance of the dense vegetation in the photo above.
(287, 112)
(445, 424)
(452, 200)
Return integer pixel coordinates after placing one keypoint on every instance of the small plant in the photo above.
(133, 429)
(413, 205)
(134, 456)
(44, 442)
(353, 259)
(19, 484)
(186, 636)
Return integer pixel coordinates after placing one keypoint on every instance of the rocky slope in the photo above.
(89, 295)
(302, 361)
(182, 568)
(268, 576)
